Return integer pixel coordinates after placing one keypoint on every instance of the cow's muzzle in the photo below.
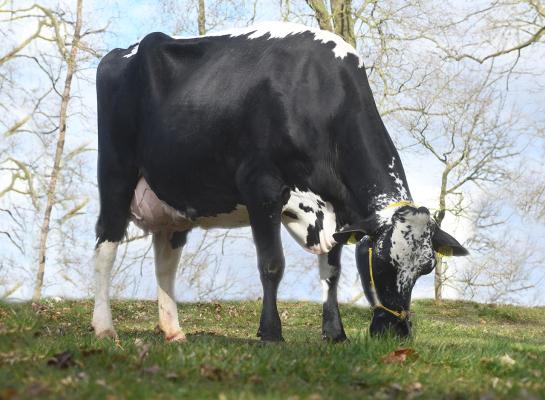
(384, 323)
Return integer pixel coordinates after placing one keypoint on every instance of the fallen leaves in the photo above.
(507, 361)
(173, 376)
(61, 360)
(153, 370)
(36, 389)
(142, 349)
(415, 387)
(12, 357)
(502, 362)
(39, 308)
(8, 394)
(211, 372)
(399, 356)
(86, 351)
(255, 379)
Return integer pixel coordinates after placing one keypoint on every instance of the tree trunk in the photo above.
(321, 14)
(438, 280)
(202, 18)
(70, 60)
(439, 277)
(343, 22)
(340, 21)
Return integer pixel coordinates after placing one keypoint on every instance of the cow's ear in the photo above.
(445, 244)
(355, 232)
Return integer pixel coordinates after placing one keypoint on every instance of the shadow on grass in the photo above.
(198, 337)
(223, 339)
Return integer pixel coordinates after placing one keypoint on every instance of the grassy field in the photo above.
(460, 350)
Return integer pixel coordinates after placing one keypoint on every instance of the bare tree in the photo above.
(505, 259)
(468, 130)
(338, 19)
(186, 17)
(462, 123)
(70, 58)
(35, 131)
(202, 18)
(504, 27)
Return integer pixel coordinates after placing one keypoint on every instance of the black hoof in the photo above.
(339, 338)
(272, 339)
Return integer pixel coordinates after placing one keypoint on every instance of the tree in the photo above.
(70, 58)
(201, 23)
(470, 133)
(436, 102)
(190, 16)
(339, 19)
(42, 67)
(505, 259)
(504, 28)
(509, 37)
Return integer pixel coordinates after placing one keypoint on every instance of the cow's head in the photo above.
(394, 253)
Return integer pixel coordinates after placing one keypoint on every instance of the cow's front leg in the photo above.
(167, 256)
(330, 271)
(265, 196)
(102, 314)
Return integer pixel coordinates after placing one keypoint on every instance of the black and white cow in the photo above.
(270, 124)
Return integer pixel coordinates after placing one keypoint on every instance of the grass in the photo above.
(461, 350)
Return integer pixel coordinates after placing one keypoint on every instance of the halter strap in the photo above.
(401, 203)
(403, 314)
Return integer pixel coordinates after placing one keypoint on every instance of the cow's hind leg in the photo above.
(111, 226)
(116, 183)
(167, 256)
(102, 314)
(330, 271)
(265, 195)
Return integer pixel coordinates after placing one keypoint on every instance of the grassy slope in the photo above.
(459, 348)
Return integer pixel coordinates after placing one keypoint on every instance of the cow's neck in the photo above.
(374, 174)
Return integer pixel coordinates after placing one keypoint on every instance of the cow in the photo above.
(269, 125)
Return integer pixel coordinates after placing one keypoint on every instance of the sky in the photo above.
(130, 20)
(132, 23)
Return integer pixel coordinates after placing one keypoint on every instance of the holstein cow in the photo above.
(270, 124)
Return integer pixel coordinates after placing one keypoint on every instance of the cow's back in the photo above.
(196, 109)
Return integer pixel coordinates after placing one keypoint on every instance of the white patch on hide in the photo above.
(133, 51)
(306, 205)
(279, 30)
(411, 247)
(383, 201)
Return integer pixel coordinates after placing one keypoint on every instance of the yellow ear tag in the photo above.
(445, 251)
(352, 239)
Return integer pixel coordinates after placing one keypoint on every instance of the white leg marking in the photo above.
(326, 272)
(102, 314)
(166, 265)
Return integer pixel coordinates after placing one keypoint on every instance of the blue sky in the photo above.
(136, 18)
(130, 20)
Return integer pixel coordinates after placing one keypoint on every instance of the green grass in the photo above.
(460, 350)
